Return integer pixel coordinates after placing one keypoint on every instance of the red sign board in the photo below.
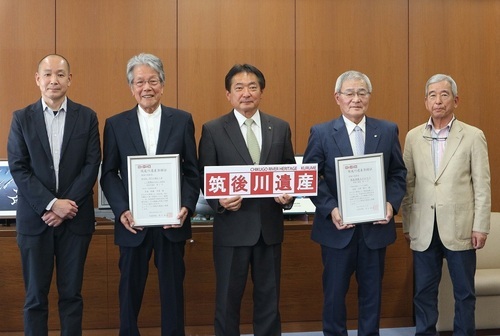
(261, 180)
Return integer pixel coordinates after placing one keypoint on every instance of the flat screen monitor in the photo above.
(302, 205)
(8, 192)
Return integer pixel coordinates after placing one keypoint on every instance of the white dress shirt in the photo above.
(150, 128)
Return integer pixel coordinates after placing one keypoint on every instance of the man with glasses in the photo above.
(348, 248)
(150, 128)
(446, 209)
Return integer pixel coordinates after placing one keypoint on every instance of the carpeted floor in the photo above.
(383, 332)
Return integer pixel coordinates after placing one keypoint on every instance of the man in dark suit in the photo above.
(247, 232)
(54, 154)
(150, 128)
(348, 248)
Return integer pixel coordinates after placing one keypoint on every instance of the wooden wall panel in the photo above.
(460, 38)
(214, 35)
(12, 292)
(336, 36)
(301, 282)
(301, 46)
(11, 287)
(99, 37)
(27, 34)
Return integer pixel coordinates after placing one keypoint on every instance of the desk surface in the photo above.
(104, 226)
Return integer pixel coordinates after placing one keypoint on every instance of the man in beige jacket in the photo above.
(446, 209)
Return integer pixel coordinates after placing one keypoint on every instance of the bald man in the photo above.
(54, 156)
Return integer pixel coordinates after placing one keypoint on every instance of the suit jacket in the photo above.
(459, 196)
(31, 165)
(123, 138)
(330, 140)
(222, 144)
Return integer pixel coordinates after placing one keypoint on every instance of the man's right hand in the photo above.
(337, 220)
(65, 208)
(231, 203)
(128, 222)
(51, 219)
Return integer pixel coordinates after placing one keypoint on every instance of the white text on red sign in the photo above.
(261, 181)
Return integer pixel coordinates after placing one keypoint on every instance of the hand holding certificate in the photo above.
(154, 189)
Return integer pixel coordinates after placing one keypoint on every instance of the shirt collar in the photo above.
(350, 125)
(63, 107)
(430, 125)
(143, 113)
(241, 118)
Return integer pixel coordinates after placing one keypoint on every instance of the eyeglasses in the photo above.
(434, 138)
(443, 96)
(151, 82)
(351, 94)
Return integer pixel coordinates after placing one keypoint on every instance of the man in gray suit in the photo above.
(446, 209)
(54, 155)
(247, 232)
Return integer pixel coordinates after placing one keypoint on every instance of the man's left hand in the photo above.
(182, 215)
(478, 239)
(388, 217)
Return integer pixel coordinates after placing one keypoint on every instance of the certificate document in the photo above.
(154, 189)
(361, 188)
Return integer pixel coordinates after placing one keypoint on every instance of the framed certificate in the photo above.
(361, 188)
(154, 189)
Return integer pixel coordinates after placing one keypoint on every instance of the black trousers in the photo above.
(134, 269)
(231, 267)
(67, 251)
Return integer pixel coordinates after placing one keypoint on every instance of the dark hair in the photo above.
(239, 68)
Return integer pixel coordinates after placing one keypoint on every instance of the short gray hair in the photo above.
(145, 59)
(352, 74)
(439, 78)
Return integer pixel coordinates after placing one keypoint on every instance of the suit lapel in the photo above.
(236, 138)
(372, 137)
(425, 149)
(134, 131)
(69, 124)
(341, 137)
(267, 130)
(38, 119)
(165, 130)
(452, 143)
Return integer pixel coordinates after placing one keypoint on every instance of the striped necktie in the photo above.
(359, 142)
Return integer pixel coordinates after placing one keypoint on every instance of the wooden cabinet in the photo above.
(301, 282)
(301, 288)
